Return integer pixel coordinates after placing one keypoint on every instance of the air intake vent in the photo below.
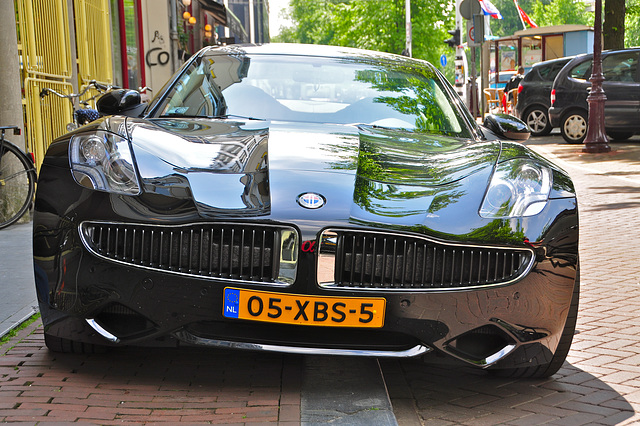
(221, 250)
(371, 260)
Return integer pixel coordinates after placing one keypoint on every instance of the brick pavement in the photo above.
(600, 383)
(146, 386)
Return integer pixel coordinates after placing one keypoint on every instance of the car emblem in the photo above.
(311, 200)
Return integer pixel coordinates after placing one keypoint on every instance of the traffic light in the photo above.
(455, 40)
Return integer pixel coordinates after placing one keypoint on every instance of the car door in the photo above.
(622, 88)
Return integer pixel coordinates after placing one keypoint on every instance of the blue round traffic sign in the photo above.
(443, 60)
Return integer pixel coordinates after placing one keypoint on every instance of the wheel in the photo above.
(619, 136)
(538, 121)
(574, 127)
(17, 180)
(558, 358)
(60, 344)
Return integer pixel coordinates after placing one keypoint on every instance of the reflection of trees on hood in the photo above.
(500, 231)
(377, 192)
(423, 105)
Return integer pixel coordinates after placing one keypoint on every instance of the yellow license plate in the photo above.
(303, 310)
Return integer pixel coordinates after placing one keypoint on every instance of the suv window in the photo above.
(549, 72)
(620, 66)
(582, 70)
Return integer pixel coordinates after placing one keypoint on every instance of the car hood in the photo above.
(258, 168)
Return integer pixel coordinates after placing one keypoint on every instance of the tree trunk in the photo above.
(613, 26)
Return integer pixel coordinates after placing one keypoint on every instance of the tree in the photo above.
(632, 23)
(510, 21)
(613, 25)
(372, 24)
(561, 12)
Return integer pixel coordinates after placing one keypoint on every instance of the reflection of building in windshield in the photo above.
(227, 70)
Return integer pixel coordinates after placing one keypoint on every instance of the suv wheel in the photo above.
(574, 126)
(538, 121)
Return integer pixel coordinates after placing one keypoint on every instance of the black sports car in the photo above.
(307, 199)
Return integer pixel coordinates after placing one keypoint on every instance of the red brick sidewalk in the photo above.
(129, 385)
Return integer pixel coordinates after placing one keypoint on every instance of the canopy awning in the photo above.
(217, 10)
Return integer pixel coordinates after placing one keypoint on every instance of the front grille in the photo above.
(221, 250)
(374, 260)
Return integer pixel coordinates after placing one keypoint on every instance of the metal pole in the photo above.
(173, 35)
(596, 139)
(408, 37)
(252, 24)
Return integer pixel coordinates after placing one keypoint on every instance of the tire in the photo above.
(17, 182)
(620, 136)
(537, 119)
(574, 127)
(558, 358)
(60, 344)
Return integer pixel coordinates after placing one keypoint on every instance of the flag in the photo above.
(526, 18)
(489, 9)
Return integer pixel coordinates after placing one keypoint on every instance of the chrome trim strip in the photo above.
(486, 362)
(101, 331)
(187, 337)
(87, 246)
(498, 355)
(330, 265)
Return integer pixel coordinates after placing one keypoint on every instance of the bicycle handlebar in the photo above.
(101, 88)
(16, 130)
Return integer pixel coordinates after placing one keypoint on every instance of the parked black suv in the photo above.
(569, 108)
(534, 95)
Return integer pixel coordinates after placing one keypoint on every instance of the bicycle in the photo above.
(85, 114)
(17, 180)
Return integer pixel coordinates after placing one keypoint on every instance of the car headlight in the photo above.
(103, 161)
(519, 187)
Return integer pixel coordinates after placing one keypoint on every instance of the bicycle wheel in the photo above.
(17, 180)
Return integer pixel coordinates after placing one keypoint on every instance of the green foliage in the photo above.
(510, 21)
(542, 12)
(562, 12)
(372, 24)
(632, 24)
(14, 331)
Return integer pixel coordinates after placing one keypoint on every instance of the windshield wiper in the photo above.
(239, 116)
(178, 115)
(224, 116)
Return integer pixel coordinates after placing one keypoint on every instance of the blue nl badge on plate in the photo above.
(231, 303)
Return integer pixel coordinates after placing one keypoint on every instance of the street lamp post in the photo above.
(408, 35)
(596, 139)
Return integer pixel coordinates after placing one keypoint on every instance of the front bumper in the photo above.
(88, 298)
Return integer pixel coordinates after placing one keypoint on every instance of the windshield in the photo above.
(316, 90)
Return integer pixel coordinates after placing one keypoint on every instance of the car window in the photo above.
(195, 94)
(318, 90)
(620, 66)
(581, 71)
(549, 72)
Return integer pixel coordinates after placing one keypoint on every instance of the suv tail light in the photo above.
(519, 88)
(553, 96)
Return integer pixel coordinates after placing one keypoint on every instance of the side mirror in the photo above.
(121, 101)
(507, 126)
